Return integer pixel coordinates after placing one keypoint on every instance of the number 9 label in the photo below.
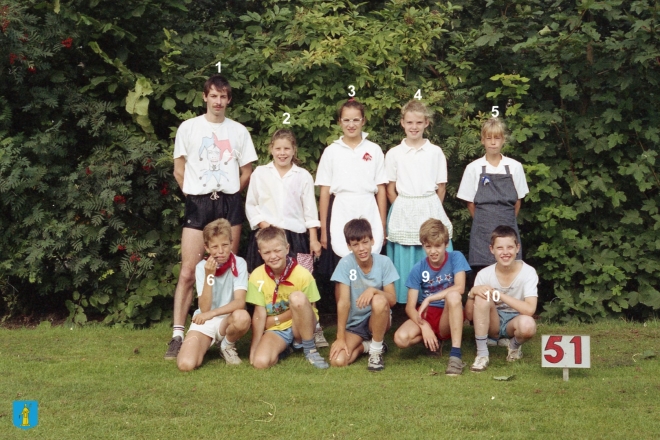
(566, 351)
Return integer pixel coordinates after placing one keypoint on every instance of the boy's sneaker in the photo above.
(376, 361)
(316, 359)
(319, 339)
(480, 364)
(230, 354)
(514, 355)
(455, 366)
(173, 348)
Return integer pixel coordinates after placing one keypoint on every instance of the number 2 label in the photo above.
(566, 351)
(287, 116)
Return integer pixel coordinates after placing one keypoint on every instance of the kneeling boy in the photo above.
(435, 307)
(365, 294)
(221, 285)
(283, 293)
(503, 299)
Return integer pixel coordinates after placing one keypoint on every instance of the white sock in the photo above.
(375, 347)
(225, 343)
(365, 346)
(318, 326)
(178, 333)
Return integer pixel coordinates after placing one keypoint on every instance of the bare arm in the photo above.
(282, 317)
(343, 295)
(517, 206)
(470, 207)
(391, 192)
(246, 172)
(381, 200)
(324, 203)
(314, 244)
(442, 191)
(258, 325)
(526, 307)
(179, 170)
(459, 287)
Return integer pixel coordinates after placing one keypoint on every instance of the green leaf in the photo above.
(504, 378)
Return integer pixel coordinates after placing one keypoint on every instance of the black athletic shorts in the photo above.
(202, 210)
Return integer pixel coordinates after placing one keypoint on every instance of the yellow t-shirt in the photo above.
(261, 288)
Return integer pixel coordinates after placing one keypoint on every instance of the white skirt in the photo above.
(348, 206)
(407, 215)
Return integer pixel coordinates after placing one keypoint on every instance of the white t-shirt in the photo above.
(524, 285)
(470, 180)
(355, 170)
(416, 171)
(214, 153)
(287, 202)
(225, 285)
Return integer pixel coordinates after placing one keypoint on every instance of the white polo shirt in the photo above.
(416, 171)
(355, 170)
(287, 202)
(214, 153)
(470, 180)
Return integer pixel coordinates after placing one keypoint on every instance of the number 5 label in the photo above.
(566, 351)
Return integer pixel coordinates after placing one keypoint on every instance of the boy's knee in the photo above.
(298, 300)
(241, 319)
(379, 304)
(527, 326)
(185, 364)
(453, 299)
(339, 362)
(261, 363)
(401, 339)
(481, 305)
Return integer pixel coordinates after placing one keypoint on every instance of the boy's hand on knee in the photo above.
(365, 299)
(480, 291)
(337, 347)
(201, 318)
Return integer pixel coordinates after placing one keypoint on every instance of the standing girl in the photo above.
(417, 174)
(352, 178)
(493, 187)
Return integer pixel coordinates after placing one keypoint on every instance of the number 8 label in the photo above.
(352, 275)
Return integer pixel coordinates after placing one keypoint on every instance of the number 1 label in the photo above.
(566, 351)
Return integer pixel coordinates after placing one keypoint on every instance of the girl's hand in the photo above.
(324, 239)
(263, 225)
(315, 247)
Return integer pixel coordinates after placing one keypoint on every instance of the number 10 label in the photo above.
(566, 351)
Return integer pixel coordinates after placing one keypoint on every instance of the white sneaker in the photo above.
(480, 364)
(319, 339)
(502, 342)
(514, 355)
(230, 354)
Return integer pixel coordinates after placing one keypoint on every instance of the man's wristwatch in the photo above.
(277, 320)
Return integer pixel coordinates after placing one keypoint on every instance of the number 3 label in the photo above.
(566, 351)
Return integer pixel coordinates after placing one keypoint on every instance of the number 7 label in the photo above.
(566, 351)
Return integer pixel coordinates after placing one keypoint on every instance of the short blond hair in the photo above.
(271, 233)
(433, 232)
(216, 228)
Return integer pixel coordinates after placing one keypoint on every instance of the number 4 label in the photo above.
(566, 351)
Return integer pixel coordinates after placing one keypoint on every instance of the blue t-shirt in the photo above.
(429, 281)
(348, 272)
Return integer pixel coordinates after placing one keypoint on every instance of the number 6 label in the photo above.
(566, 351)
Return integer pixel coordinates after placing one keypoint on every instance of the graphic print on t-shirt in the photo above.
(437, 282)
(214, 149)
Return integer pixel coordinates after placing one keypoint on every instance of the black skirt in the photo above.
(298, 244)
(328, 260)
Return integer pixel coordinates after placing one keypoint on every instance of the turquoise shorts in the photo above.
(505, 317)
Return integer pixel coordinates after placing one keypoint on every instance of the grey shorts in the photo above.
(505, 317)
(361, 329)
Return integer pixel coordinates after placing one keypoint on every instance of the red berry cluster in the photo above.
(4, 11)
(163, 189)
(67, 42)
(120, 199)
(12, 58)
(134, 258)
(121, 247)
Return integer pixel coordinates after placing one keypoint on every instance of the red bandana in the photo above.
(231, 262)
(282, 280)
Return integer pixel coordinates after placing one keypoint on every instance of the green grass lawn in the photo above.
(98, 382)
